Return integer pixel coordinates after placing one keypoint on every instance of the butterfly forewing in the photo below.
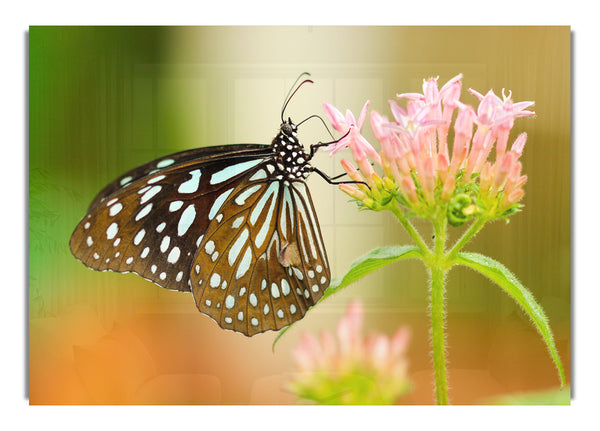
(263, 264)
(198, 155)
(153, 225)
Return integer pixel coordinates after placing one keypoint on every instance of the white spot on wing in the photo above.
(244, 264)
(164, 163)
(143, 212)
(232, 171)
(175, 205)
(164, 245)
(259, 175)
(236, 248)
(241, 198)
(112, 230)
(150, 194)
(215, 280)
(155, 179)
(138, 238)
(274, 290)
(174, 255)
(125, 180)
(186, 220)
(191, 185)
(218, 203)
(236, 223)
(115, 209)
(272, 190)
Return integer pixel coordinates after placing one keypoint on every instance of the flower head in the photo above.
(351, 368)
(422, 170)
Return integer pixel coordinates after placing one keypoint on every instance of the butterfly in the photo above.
(233, 224)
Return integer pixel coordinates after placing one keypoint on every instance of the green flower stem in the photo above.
(437, 269)
(469, 233)
(438, 277)
(410, 229)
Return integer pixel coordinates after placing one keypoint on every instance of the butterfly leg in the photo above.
(315, 147)
(331, 180)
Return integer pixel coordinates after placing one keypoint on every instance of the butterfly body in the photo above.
(235, 225)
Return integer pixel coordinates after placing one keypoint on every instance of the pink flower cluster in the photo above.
(328, 360)
(414, 147)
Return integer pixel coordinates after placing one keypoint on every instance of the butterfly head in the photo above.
(288, 128)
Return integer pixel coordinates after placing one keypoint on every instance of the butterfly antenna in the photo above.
(322, 121)
(291, 94)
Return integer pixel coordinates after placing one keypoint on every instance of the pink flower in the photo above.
(337, 367)
(358, 144)
(420, 163)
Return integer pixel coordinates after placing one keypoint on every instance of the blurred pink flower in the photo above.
(335, 369)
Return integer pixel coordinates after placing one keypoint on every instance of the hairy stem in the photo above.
(438, 276)
(410, 229)
(469, 233)
(438, 271)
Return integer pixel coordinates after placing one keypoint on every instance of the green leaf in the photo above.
(362, 266)
(369, 262)
(499, 274)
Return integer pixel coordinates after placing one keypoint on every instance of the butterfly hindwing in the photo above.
(152, 226)
(261, 263)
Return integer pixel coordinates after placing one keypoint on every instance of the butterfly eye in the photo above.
(287, 129)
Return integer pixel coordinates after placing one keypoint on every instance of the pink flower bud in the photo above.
(410, 191)
(486, 111)
(352, 191)
(519, 144)
(351, 171)
(366, 169)
(501, 141)
(515, 196)
(450, 93)
(503, 170)
(448, 189)
(485, 177)
(428, 179)
(442, 167)
(463, 125)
